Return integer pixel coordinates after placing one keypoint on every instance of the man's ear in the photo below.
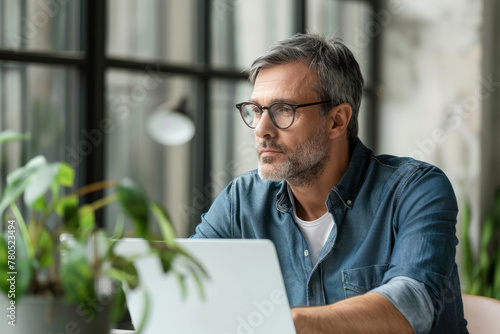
(339, 117)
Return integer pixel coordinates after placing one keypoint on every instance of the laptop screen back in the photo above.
(245, 293)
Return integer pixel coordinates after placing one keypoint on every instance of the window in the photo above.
(84, 77)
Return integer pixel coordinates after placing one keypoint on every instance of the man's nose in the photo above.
(265, 126)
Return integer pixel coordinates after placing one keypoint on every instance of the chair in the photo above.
(482, 314)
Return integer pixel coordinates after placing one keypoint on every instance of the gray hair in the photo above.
(339, 75)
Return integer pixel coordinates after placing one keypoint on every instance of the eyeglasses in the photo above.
(282, 114)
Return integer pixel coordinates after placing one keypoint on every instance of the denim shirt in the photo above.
(394, 217)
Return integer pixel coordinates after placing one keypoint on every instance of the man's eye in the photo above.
(256, 110)
(252, 109)
(283, 109)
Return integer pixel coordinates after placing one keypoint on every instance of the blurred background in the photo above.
(90, 80)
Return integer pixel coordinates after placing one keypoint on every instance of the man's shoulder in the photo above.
(396, 162)
(406, 170)
(410, 173)
(402, 166)
(365, 164)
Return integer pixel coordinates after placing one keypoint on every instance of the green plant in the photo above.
(45, 264)
(482, 273)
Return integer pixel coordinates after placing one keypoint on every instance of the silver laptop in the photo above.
(244, 295)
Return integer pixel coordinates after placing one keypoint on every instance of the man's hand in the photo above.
(368, 313)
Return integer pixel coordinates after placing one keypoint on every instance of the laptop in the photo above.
(245, 293)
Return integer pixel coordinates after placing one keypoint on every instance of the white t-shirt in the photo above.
(315, 232)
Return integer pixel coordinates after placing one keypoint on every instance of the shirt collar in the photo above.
(348, 187)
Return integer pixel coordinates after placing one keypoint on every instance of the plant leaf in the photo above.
(120, 224)
(198, 281)
(166, 259)
(10, 135)
(118, 307)
(86, 220)
(145, 314)
(192, 259)
(40, 204)
(19, 179)
(135, 204)
(47, 177)
(70, 201)
(12, 192)
(76, 276)
(484, 265)
(45, 249)
(123, 270)
(24, 231)
(182, 283)
(122, 277)
(22, 266)
(4, 268)
(40, 183)
(44, 245)
(31, 166)
(487, 233)
(164, 222)
(67, 208)
(55, 191)
(65, 175)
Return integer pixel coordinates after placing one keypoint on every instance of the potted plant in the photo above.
(56, 255)
(482, 272)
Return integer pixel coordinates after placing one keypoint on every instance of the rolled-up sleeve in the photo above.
(411, 298)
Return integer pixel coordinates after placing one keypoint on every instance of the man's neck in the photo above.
(310, 200)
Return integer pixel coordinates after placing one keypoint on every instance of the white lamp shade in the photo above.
(170, 127)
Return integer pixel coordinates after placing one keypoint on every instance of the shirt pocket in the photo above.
(357, 281)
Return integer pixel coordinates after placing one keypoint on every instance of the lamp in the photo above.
(170, 127)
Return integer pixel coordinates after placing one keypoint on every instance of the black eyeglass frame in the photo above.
(261, 108)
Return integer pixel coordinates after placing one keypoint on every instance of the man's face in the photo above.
(297, 154)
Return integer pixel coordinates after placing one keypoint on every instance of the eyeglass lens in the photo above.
(282, 114)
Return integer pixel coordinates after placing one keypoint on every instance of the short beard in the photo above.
(303, 165)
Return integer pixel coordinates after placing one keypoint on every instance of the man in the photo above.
(366, 243)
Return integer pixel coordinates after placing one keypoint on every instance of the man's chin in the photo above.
(268, 172)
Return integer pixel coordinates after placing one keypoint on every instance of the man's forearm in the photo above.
(368, 313)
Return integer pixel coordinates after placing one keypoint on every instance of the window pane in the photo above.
(40, 100)
(352, 21)
(153, 30)
(364, 117)
(232, 142)
(40, 26)
(243, 30)
(163, 171)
